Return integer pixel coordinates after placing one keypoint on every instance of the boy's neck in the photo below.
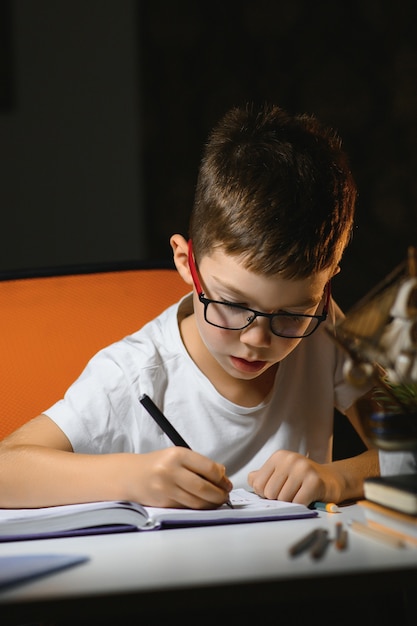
(247, 393)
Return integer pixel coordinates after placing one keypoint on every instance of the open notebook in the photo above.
(112, 517)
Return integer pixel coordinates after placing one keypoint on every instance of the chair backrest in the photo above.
(51, 326)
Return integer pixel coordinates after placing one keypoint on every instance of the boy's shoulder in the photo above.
(157, 340)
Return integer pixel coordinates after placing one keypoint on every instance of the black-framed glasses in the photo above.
(231, 316)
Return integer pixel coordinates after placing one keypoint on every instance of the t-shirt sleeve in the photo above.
(98, 412)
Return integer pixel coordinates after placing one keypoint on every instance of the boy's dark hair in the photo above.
(275, 190)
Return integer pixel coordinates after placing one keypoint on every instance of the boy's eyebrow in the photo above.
(309, 302)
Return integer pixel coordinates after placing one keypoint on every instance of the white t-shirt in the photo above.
(101, 412)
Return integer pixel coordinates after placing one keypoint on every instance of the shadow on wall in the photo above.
(352, 64)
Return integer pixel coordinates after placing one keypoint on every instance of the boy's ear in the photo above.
(179, 247)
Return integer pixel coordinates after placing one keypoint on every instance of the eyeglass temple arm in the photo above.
(328, 296)
(193, 269)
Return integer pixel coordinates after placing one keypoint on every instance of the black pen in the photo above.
(166, 426)
(162, 421)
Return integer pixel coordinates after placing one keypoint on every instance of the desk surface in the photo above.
(182, 565)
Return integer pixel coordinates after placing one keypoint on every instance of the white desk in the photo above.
(239, 567)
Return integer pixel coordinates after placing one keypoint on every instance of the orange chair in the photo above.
(52, 325)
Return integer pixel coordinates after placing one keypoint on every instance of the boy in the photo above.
(242, 366)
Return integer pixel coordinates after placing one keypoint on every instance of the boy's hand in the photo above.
(178, 477)
(293, 477)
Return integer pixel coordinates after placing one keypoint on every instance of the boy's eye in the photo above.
(298, 314)
(231, 303)
(293, 319)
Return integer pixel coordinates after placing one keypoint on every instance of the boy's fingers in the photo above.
(224, 480)
(207, 468)
(217, 484)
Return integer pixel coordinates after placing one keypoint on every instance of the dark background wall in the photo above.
(113, 99)
(70, 170)
(353, 64)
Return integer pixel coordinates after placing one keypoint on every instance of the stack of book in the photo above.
(390, 505)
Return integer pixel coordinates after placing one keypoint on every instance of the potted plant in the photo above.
(391, 424)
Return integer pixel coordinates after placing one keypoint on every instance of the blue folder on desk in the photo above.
(22, 568)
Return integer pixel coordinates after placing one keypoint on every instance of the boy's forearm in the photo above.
(37, 476)
(353, 472)
(33, 476)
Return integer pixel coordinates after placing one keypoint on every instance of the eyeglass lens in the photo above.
(230, 317)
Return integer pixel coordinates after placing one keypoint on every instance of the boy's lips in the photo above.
(247, 366)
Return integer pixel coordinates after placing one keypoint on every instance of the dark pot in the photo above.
(391, 431)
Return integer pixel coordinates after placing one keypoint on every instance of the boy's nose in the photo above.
(258, 333)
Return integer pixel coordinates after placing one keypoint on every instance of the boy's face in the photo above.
(248, 353)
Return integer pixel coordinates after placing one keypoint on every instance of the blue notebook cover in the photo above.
(22, 568)
(77, 532)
